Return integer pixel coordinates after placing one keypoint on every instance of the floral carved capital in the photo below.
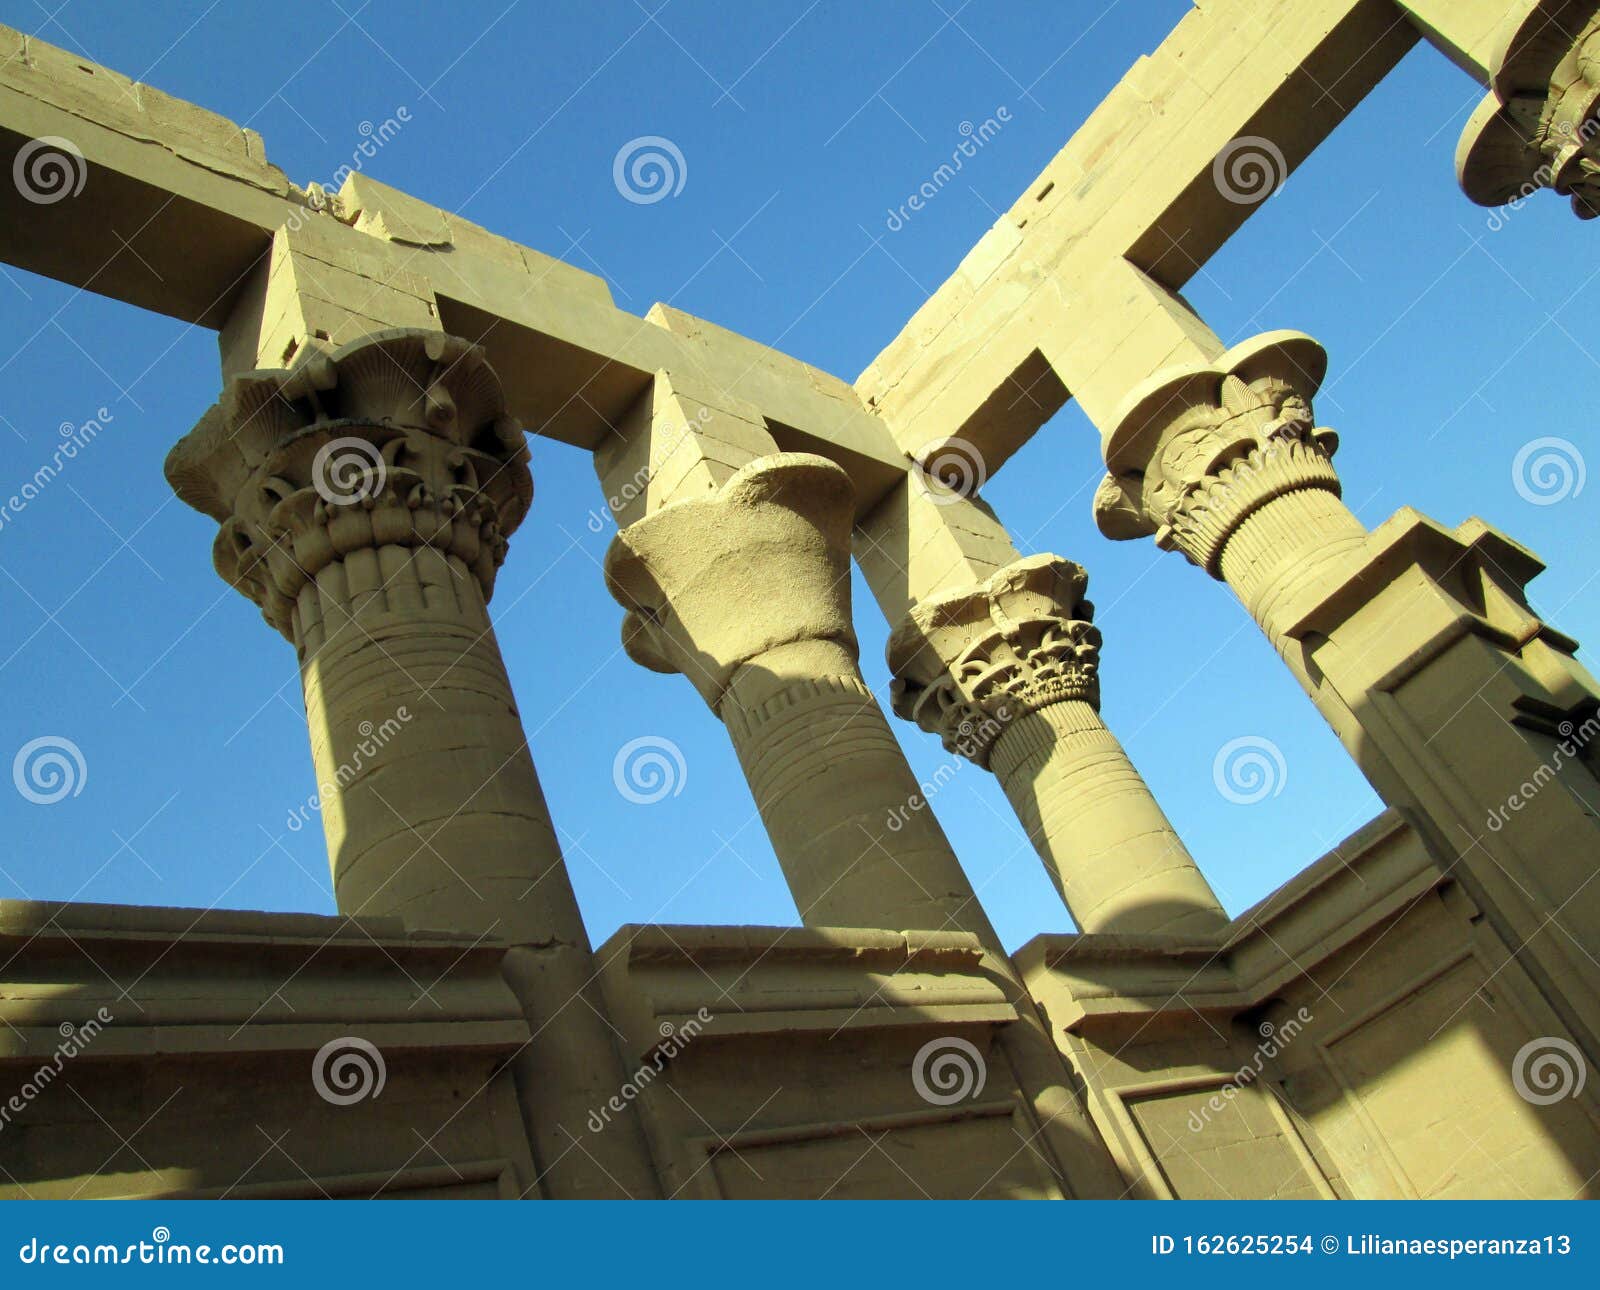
(398, 439)
(1197, 449)
(713, 583)
(1540, 125)
(967, 663)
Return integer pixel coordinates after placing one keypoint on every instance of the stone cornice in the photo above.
(1373, 876)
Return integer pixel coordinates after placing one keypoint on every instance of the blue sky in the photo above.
(1454, 339)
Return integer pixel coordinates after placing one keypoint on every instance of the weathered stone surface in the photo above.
(1538, 127)
(366, 469)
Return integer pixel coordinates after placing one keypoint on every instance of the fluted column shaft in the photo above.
(433, 809)
(1294, 542)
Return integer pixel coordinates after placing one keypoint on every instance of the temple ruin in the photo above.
(365, 463)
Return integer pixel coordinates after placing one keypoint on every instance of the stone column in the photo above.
(1006, 674)
(741, 582)
(1416, 642)
(1539, 126)
(747, 593)
(365, 498)
(1221, 461)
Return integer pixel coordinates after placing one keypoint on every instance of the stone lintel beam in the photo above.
(678, 441)
(1006, 674)
(1465, 31)
(205, 211)
(1168, 167)
(364, 500)
(1539, 126)
(925, 537)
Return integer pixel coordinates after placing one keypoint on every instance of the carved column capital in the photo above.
(969, 662)
(399, 439)
(1197, 449)
(1539, 127)
(713, 583)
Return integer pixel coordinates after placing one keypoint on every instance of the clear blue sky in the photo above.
(1452, 344)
